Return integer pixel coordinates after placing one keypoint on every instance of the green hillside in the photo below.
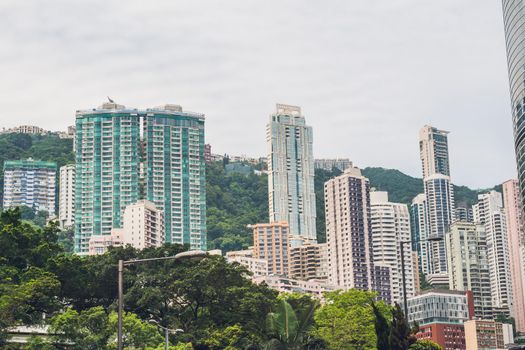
(403, 188)
(41, 147)
(233, 200)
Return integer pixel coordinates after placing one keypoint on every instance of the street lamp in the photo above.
(403, 276)
(166, 332)
(192, 254)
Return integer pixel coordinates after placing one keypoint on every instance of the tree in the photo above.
(95, 329)
(425, 345)
(400, 333)
(230, 338)
(382, 329)
(346, 321)
(288, 327)
(198, 297)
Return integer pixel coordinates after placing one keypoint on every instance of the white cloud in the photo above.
(368, 74)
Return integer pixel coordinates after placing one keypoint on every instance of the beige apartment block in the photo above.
(487, 335)
(307, 261)
(143, 225)
(270, 243)
(258, 267)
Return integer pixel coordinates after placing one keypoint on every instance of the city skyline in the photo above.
(377, 112)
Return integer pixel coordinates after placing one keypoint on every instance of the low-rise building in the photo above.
(99, 244)
(440, 315)
(450, 336)
(487, 335)
(281, 284)
(308, 262)
(329, 164)
(258, 267)
(440, 306)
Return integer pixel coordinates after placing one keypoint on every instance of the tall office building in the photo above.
(439, 195)
(419, 227)
(66, 196)
(30, 183)
(291, 172)
(514, 212)
(123, 155)
(270, 242)
(390, 227)
(349, 231)
(490, 213)
(468, 264)
(513, 14)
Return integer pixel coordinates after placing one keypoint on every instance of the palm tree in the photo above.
(288, 329)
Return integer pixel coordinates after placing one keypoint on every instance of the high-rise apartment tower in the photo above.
(123, 155)
(439, 195)
(291, 172)
(30, 183)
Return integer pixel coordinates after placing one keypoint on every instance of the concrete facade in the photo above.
(270, 243)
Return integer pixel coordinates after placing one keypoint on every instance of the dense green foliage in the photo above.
(403, 188)
(214, 303)
(234, 201)
(40, 147)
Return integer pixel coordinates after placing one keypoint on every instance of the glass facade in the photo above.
(123, 155)
(291, 172)
(514, 22)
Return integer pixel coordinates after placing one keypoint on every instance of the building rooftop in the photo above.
(29, 164)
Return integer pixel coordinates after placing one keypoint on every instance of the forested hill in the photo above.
(403, 188)
(233, 200)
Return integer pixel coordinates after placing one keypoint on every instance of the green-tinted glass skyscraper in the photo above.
(123, 155)
(175, 172)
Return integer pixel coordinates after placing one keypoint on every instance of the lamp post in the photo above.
(166, 332)
(403, 275)
(192, 254)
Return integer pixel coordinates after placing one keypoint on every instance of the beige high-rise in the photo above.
(512, 204)
(270, 242)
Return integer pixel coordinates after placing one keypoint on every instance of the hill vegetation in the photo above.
(214, 303)
(233, 200)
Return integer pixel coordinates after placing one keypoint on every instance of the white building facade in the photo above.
(258, 267)
(66, 196)
(30, 183)
(468, 268)
(391, 228)
(439, 197)
(490, 213)
(143, 225)
(291, 172)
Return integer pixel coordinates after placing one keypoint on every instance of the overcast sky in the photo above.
(368, 74)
